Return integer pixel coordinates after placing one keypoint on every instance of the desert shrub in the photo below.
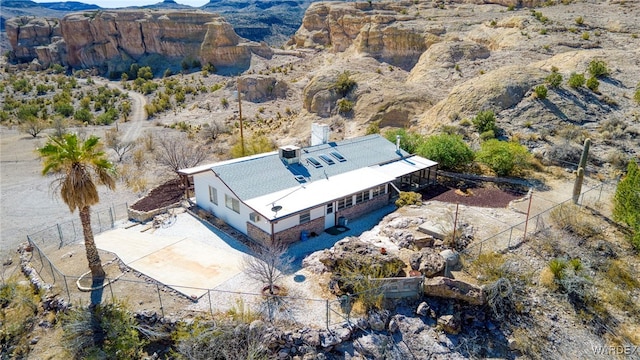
(576, 80)
(501, 298)
(344, 84)
(409, 198)
(145, 72)
(636, 95)
(102, 331)
(450, 151)
(373, 128)
(63, 108)
(598, 68)
(257, 144)
(504, 158)
(579, 20)
(359, 277)
(227, 340)
(83, 114)
(27, 112)
(573, 132)
(409, 141)
(485, 121)
(626, 202)
(540, 92)
(224, 102)
(593, 84)
(620, 273)
(557, 267)
(488, 266)
(585, 35)
(488, 135)
(18, 315)
(345, 106)
(108, 117)
(554, 79)
(573, 219)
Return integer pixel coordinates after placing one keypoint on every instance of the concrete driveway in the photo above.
(189, 256)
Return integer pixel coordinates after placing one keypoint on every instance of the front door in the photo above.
(330, 216)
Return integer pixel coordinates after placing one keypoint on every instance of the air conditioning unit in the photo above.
(254, 216)
(289, 154)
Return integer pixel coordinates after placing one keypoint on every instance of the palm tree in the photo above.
(79, 164)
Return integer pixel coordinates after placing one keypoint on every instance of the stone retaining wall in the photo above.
(144, 216)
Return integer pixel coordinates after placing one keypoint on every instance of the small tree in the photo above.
(504, 158)
(554, 79)
(178, 152)
(268, 265)
(626, 202)
(409, 141)
(593, 84)
(485, 121)
(114, 141)
(540, 92)
(34, 126)
(257, 144)
(450, 151)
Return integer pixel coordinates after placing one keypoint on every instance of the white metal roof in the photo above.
(405, 166)
(309, 195)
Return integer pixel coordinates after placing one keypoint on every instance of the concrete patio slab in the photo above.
(184, 264)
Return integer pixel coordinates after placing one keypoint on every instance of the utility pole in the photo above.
(240, 113)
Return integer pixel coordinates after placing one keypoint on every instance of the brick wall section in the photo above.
(292, 235)
(363, 208)
(257, 234)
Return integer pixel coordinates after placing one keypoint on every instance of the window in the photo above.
(330, 208)
(232, 203)
(362, 197)
(305, 217)
(377, 191)
(255, 217)
(213, 195)
(345, 202)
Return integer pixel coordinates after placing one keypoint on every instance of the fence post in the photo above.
(60, 236)
(64, 278)
(510, 234)
(160, 298)
(113, 298)
(480, 249)
(53, 275)
(210, 305)
(327, 306)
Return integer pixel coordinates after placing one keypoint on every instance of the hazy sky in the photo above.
(123, 3)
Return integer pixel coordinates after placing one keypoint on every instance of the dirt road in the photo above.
(136, 120)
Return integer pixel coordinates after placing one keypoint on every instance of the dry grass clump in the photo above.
(487, 267)
(573, 219)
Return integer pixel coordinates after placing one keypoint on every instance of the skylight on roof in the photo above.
(300, 179)
(338, 156)
(314, 162)
(326, 159)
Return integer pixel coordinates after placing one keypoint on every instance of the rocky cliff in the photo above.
(393, 32)
(114, 39)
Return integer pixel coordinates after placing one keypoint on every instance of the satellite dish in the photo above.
(276, 208)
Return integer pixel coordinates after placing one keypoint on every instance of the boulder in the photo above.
(260, 88)
(358, 254)
(378, 319)
(454, 289)
(451, 324)
(424, 310)
(428, 261)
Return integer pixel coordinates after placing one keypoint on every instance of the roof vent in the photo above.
(301, 179)
(289, 154)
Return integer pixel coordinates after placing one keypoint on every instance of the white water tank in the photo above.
(319, 134)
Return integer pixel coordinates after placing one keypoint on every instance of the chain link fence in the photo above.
(515, 235)
(150, 296)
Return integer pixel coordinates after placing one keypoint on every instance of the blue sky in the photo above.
(123, 3)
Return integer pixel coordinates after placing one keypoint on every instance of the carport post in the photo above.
(160, 298)
(210, 305)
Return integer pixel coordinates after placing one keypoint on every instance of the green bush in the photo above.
(576, 80)
(345, 106)
(409, 141)
(409, 198)
(598, 68)
(593, 84)
(373, 128)
(106, 331)
(554, 79)
(344, 84)
(257, 144)
(540, 92)
(626, 202)
(488, 135)
(83, 114)
(504, 158)
(636, 95)
(450, 151)
(485, 121)
(27, 112)
(63, 108)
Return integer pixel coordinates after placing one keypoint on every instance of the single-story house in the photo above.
(293, 192)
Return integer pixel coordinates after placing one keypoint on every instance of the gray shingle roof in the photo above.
(260, 176)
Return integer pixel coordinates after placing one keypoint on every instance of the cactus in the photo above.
(577, 186)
